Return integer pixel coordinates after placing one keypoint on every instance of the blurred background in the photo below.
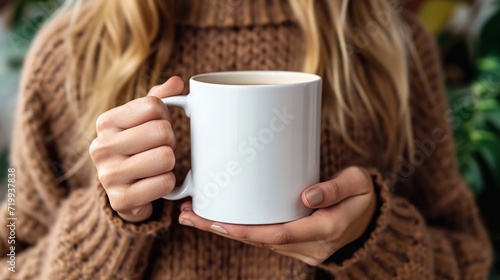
(468, 35)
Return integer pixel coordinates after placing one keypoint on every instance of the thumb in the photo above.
(173, 86)
(350, 182)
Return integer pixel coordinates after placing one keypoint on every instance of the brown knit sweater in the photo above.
(426, 226)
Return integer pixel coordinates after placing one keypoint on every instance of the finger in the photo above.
(150, 189)
(187, 205)
(173, 86)
(311, 252)
(349, 182)
(302, 230)
(143, 165)
(137, 215)
(152, 134)
(133, 201)
(141, 110)
(133, 113)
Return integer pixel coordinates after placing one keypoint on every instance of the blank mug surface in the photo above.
(255, 139)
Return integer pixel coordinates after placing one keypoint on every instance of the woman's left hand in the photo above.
(345, 207)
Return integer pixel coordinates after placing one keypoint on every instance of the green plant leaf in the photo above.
(489, 64)
(482, 135)
(488, 104)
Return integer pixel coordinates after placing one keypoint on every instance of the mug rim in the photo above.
(293, 78)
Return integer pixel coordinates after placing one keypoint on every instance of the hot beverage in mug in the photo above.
(255, 138)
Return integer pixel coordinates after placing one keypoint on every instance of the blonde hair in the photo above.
(121, 51)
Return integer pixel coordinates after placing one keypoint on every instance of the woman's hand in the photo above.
(346, 205)
(134, 152)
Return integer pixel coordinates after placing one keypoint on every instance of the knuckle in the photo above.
(334, 190)
(154, 106)
(106, 176)
(103, 122)
(103, 178)
(98, 150)
(93, 149)
(361, 178)
(150, 101)
(119, 200)
(282, 237)
(164, 130)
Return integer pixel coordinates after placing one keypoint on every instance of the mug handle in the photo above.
(186, 188)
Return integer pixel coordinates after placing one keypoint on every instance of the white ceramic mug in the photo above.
(255, 139)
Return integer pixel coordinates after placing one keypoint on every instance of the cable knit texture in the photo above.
(427, 225)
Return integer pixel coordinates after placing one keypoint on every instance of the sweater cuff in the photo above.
(159, 220)
(361, 246)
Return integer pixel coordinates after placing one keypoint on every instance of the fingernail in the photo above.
(137, 210)
(218, 228)
(185, 222)
(314, 197)
(186, 209)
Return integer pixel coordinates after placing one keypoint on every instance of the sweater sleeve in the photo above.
(428, 227)
(62, 231)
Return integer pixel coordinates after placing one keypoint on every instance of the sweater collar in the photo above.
(232, 13)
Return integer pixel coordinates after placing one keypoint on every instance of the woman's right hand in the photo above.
(134, 152)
